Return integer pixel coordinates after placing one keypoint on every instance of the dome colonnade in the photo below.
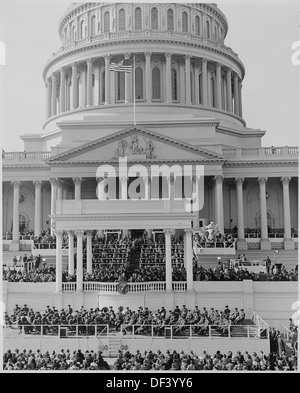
(185, 61)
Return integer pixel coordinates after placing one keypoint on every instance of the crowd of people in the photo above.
(147, 273)
(226, 272)
(138, 321)
(171, 360)
(63, 360)
(180, 361)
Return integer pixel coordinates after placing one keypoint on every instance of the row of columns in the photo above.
(62, 85)
(263, 208)
(57, 194)
(188, 257)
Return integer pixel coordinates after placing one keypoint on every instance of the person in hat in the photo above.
(226, 311)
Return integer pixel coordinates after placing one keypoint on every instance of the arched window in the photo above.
(138, 19)
(122, 20)
(82, 29)
(139, 90)
(106, 22)
(121, 86)
(156, 94)
(103, 87)
(207, 29)
(93, 25)
(170, 20)
(197, 25)
(174, 85)
(184, 22)
(154, 19)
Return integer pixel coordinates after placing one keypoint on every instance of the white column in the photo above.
(74, 99)
(77, 185)
(127, 86)
(62, 90)
(168, 57)
(188, 80)
(89, 81)
(97, 84)
(58, 280)
(107, 78)
(148, 77)
(124, 188)
(147, 182)
(37, 207)
(71, 253)
(16, 232)
(263, 208)
(240, 97)
(53, 94)
(240, 207)
(168, 233)
(83, 86)
(229, 90)
(218, 83)
(89, 253)
(188, 263)
(181, 81)
(48, 97)
(197, 73)
(79, 265)
(53, 182)
(59, 189)
(204, 83)
(286, 207)
(219, 203)
(171, 181)
(236, 94)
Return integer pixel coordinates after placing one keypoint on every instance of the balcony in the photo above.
(115, 207)
(25, 157)
(262, 153)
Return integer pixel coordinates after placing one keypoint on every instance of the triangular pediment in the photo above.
(137, 145)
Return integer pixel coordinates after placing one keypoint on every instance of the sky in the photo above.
(261, 33)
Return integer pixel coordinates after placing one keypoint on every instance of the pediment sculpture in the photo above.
(135, 147)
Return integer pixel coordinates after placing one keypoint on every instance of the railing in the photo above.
(132, 287)
(287, 333)
(100, 286)
(69, 286)
(136, 287)
(63, 330)
(263, 327)
(261, 151)
(179, 286)
(132, 331)
(21, 156)
(215, 244)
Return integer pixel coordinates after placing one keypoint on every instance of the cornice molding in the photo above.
(136, 130)
(146, 162)
(258, 163)
(141, 41)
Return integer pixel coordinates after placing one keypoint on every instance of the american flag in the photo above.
(124, 66)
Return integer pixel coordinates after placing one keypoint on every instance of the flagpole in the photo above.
(134, 121)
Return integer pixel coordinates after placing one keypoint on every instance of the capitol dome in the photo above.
(183, 69)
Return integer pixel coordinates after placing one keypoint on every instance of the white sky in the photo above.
(261, 33)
